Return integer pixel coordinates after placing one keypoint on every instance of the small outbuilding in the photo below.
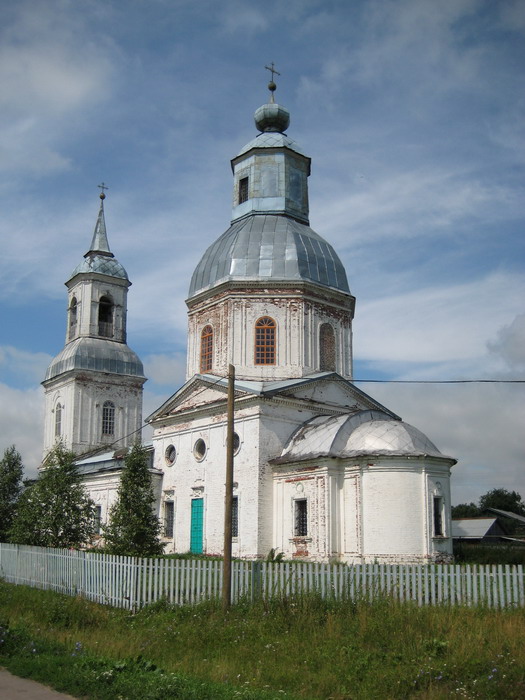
(478, 529)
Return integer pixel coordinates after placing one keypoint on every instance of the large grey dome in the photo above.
(96, 354)
(269, 247)
(360, 434)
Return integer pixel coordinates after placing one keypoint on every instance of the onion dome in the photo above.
(272, 117)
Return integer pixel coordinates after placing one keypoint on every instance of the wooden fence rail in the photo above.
(130, 582)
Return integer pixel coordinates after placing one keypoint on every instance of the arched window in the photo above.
(326, 347)
(108, 418)
(105, 317)
(206, 349)
(265, 331)
(58, 420)
(73, 309)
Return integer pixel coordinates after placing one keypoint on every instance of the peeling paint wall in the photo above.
(299, 316)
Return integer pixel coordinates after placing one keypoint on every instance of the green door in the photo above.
(197, 519)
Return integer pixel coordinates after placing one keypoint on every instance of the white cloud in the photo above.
(21, 418)
(51, 79)
(403, 204)
(440, 326)
(241, 18)
(510, 345)
(30, 365)
(167, 370)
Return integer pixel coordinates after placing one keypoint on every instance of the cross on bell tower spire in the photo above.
(103, 187)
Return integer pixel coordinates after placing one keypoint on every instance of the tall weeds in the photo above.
(305, 646)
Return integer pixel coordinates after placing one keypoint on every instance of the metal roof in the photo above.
(99, 257)
(359, 433)
(272, 139)
(265, 247)
(109, 461)
(96, 354)
(508, 514)
(472, 527)
(101, 264)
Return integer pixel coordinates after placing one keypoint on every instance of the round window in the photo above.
(170, 455)
(199, 450)
(236, 443)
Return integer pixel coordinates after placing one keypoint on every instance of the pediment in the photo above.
(333, 390)
(328, 390)
(197, 392)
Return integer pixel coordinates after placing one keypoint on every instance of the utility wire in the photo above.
(440, 381)
(107, 448)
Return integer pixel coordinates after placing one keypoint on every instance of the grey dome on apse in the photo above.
(269, 247)
(99, 258)
(360, 434)
(96, 354)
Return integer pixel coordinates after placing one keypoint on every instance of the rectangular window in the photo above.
(243, 190)
(98, 520)
(235, 517)
(438, 517)
(108, 418)
(169, 513)
(301, 518)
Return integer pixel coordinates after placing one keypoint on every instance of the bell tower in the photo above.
(93, 387)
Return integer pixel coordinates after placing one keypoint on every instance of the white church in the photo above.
(322, 471)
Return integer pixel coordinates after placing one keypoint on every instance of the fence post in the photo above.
(256, 588)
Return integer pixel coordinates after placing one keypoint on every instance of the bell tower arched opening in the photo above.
(105, 317)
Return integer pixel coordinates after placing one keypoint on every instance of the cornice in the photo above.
(307, 291)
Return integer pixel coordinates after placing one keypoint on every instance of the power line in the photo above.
(440, 381)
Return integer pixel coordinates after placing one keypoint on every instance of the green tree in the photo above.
(11, 470)
(466, 510)
(133, 528)
(504, 500)
(55, 511)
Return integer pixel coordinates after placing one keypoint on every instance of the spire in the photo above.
(100, 244)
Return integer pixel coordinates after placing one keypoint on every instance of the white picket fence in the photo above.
(130, 582)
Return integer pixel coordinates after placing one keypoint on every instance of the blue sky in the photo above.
(413, 114)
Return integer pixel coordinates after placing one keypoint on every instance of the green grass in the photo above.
(304, 648)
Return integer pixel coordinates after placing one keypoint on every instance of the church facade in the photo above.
(322, 471)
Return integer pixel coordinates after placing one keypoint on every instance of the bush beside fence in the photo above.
(130, 582)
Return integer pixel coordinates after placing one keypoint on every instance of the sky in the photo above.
(413, 114)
